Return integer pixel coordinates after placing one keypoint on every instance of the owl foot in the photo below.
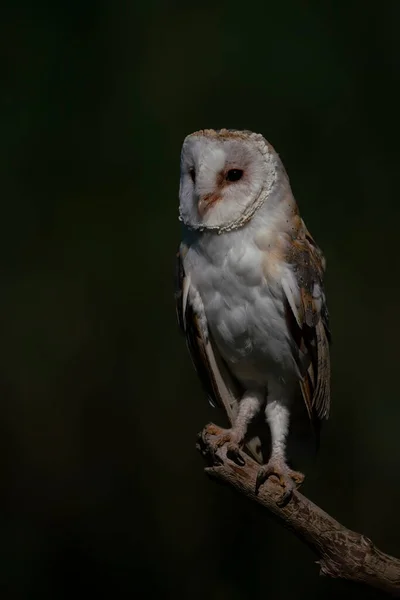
(233, 440)
(288, 479)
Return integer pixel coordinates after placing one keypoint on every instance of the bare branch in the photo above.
(341, 552)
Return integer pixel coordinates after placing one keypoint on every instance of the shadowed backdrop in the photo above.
(102, 491)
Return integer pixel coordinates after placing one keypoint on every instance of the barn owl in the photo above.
(249, 293)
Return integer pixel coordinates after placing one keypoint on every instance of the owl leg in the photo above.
(277, 415)
(249, 407)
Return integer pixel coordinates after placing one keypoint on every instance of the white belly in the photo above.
(244, 311)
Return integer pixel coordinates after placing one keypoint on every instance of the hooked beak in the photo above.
(205, 202)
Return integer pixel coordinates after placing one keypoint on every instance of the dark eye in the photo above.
(192, 174)
(234, 175)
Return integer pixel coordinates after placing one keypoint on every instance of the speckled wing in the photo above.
(222, 389)
(308, 320)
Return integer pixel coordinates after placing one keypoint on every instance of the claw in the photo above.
(230, 437)
(233, 452)
(289, 480)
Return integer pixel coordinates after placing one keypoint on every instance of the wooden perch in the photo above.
(341, 552)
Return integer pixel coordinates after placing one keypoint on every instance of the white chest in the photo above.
(244, 309)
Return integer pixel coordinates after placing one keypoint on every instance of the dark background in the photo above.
(102, 491)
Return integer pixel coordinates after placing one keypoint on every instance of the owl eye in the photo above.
(234, 175)
(192, 174)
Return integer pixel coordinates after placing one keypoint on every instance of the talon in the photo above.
(284, 499)
(260, 479)
(297, 477)
(230, 437)
(233, 452)
(288, 479)
(223, 438)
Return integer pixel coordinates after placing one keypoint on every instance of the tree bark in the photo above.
(341, 552)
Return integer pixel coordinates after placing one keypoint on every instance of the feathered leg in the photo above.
(277, 415)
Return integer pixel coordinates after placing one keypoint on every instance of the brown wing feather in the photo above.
(310, 327)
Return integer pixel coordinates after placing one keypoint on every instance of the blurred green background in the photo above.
(102, 491)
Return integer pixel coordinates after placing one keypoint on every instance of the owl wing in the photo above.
(222, 389)
(308, 320)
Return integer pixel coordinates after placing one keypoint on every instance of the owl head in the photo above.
(225, 177)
